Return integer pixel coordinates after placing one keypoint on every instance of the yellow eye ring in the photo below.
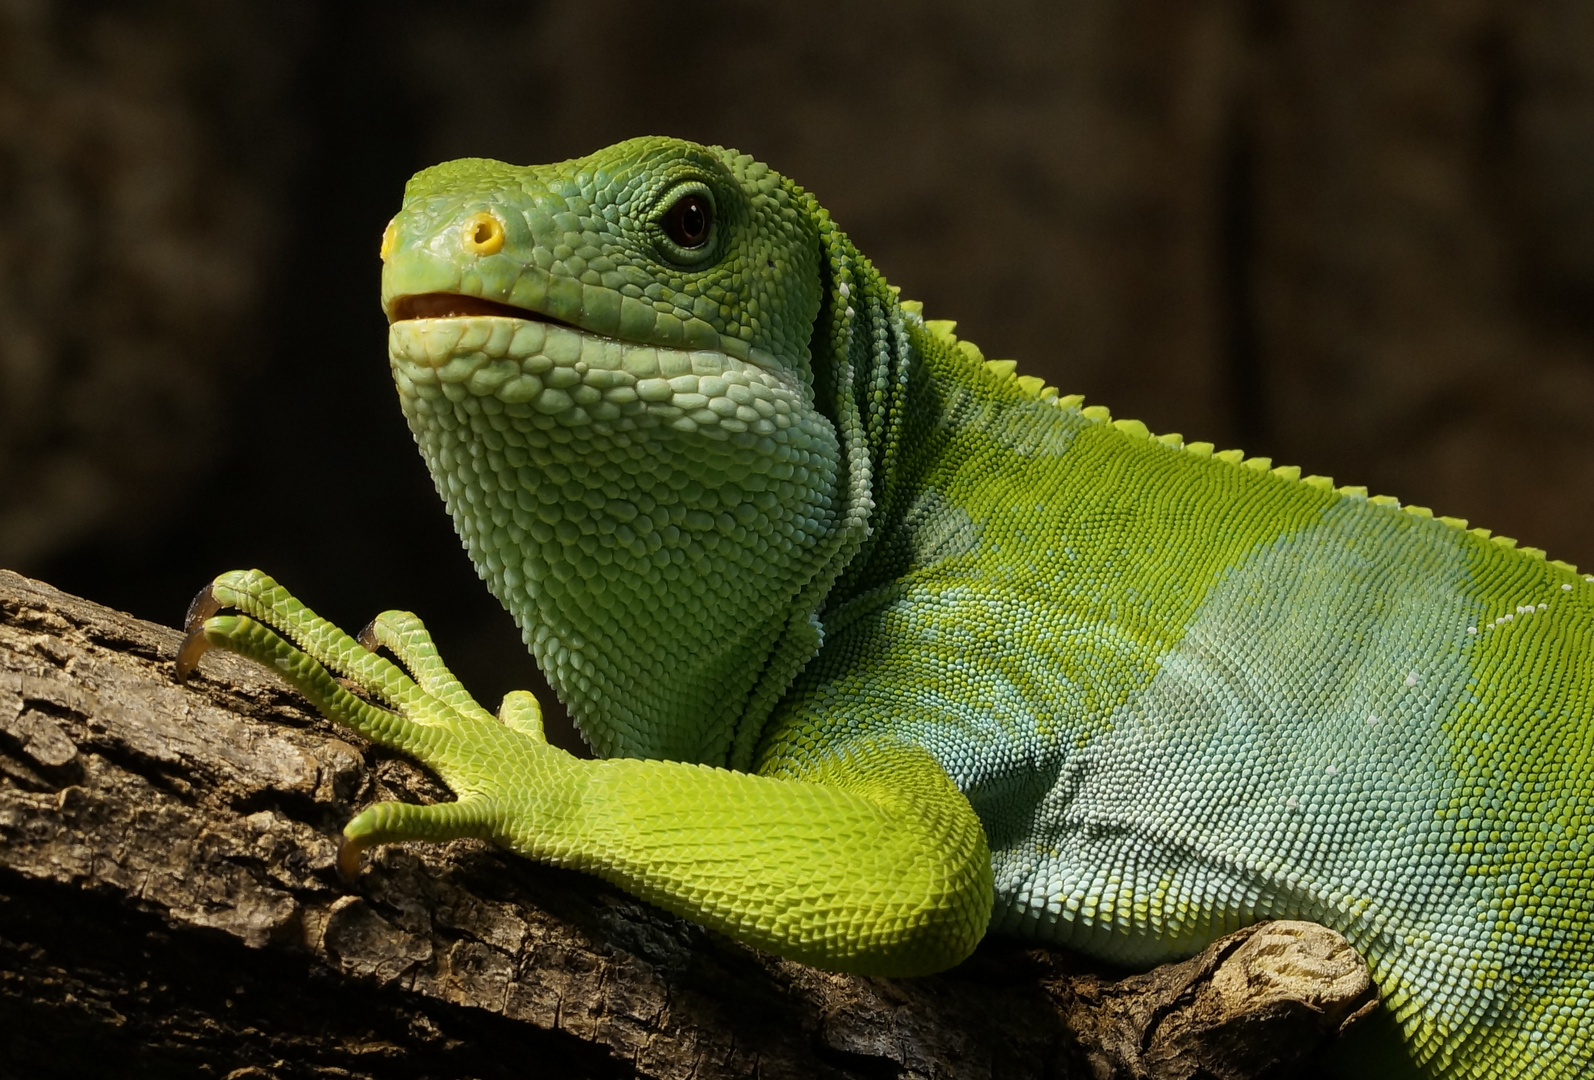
(389, 237)
(482, 234)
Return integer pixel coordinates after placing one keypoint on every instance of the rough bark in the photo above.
(168, 903)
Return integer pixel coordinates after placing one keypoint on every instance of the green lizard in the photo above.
(882, 645)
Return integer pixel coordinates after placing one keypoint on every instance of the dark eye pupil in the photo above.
(688, 221)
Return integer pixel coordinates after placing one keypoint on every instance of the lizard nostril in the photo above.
(484, 235)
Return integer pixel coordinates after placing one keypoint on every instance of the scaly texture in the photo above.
(864, 624)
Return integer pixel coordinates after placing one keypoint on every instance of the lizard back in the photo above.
(1184, 692)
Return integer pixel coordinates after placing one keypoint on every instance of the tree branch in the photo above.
(168, 895)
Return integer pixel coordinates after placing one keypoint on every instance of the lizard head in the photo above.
(651, 242)
(607, 364)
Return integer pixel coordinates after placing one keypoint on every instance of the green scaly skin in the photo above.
(881, 644)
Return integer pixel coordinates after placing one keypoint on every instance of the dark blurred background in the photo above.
(1356, 236)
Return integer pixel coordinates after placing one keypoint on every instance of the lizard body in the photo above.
(882, 644)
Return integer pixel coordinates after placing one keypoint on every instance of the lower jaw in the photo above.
(534, 369)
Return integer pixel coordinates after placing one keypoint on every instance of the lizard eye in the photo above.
(688, 219)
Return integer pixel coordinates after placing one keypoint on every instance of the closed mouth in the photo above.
(455, 306)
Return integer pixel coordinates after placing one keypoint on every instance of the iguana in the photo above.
(882, 645)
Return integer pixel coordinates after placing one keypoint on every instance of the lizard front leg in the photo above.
(873, 862)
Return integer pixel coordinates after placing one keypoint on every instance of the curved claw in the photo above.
(193, 647)
(201, 607)
(349, 851)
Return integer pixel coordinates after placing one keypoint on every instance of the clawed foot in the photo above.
(430, 716)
